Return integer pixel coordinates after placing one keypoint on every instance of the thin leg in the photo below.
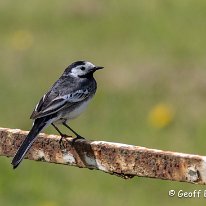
(77, 135)
(61, 134)
(57, 129)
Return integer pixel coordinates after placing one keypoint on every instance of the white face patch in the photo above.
(89, 64)
(82, 69)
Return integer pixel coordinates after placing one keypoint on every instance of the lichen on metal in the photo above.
(114, 158)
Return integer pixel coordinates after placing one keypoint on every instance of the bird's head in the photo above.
(81, 69)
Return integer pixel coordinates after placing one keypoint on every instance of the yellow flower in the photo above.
(21, 40)
(161, 115)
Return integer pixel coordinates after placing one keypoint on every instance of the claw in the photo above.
(63, 136)
(76, 138)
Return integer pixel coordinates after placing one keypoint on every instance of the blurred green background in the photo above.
(152, 92)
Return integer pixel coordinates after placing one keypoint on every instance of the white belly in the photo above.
(73, 114)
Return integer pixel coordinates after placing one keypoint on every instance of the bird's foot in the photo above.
(76, 138)
(63, 136)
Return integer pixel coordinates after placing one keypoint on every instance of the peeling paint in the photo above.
(91, 162)
(192, 174)
(40, 156)
(14, 130)
(100, 166)
(112, 143)
(202, 169)
(68, 158)
(40, 153)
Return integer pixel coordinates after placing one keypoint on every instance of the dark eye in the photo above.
(82, 68)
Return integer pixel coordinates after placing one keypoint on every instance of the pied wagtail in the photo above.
(66, 99)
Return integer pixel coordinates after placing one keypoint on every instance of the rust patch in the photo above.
(119, 159)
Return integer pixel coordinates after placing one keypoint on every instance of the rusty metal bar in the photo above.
(114, 158)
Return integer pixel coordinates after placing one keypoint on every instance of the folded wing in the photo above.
(50, 104)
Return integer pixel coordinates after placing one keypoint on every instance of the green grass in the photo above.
(153, 52)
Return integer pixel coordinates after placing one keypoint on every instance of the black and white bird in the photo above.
(67, 98)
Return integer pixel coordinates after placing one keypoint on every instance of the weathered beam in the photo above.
(114, 158)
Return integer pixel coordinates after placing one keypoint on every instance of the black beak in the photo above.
(98, 67)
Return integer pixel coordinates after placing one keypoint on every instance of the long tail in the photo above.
(39, 124)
